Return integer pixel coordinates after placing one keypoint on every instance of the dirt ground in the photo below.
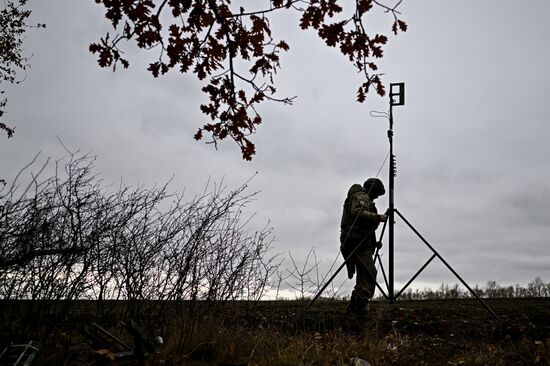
(456, 332)
(430, 332)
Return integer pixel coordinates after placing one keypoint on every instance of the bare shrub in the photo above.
(70, 237)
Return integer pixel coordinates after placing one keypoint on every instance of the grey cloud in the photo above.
(471, 142)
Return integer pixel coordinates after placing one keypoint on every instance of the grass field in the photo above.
(430, 332)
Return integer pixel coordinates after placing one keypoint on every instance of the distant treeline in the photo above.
(302, 281)
(535, 288)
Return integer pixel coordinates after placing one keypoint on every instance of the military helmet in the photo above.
(374, 186)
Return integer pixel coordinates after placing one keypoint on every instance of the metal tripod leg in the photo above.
(447, 265)
(348, 258)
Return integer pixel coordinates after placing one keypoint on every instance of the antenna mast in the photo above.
(397, 98)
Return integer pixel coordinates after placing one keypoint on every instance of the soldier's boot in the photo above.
(361, 308)
(352, 305)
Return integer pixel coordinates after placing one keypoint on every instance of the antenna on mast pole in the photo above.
(397, 98)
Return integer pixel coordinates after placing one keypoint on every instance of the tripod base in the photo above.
(392, 297)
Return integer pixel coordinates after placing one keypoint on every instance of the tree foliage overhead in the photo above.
(13, 24)
(235, 51)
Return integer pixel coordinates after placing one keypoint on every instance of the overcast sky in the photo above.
(472, 141)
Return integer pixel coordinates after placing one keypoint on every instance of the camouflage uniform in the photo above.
(359, 222)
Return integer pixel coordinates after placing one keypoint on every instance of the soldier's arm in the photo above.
(362, 208)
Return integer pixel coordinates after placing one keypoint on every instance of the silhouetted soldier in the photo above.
(359, 222)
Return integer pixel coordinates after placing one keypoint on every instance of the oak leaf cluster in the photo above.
(234, 50)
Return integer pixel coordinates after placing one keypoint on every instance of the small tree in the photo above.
(13, 24)
(536, 288)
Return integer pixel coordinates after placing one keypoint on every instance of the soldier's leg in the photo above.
(366, 276)
(346, 247)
